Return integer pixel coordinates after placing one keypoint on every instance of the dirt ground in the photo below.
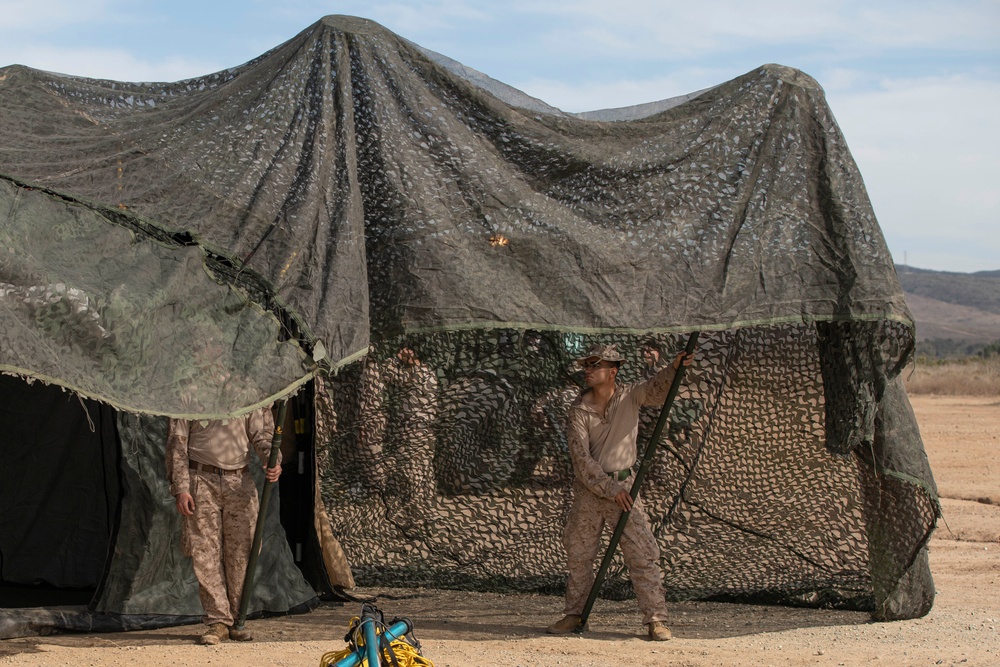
(962, 437)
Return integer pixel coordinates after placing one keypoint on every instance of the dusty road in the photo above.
(962, 437)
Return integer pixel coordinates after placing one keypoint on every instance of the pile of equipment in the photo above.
(374, 643)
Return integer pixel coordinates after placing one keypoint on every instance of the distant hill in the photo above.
(955, 313)
(979, 290)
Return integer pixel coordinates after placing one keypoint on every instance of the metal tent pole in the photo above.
(258, 533)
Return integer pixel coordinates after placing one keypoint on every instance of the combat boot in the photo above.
(214, 634)
(238, 635)
(567, 623)
(659, 632)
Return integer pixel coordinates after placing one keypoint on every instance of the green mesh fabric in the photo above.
(87, 303)
(465, 480)
(382, 194)
(364, 182)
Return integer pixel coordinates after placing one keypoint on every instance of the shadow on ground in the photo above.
(462, 615)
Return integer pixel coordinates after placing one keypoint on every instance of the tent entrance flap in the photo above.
(60, 489)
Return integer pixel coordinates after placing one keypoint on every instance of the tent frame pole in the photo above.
(647, 459)
(258, 533)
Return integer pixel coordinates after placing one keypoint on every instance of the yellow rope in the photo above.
(406, 654)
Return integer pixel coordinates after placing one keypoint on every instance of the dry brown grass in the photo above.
(964, 377)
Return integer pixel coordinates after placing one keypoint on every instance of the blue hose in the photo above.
(371, 641)
(398, 629)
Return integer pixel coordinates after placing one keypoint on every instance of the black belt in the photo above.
(204, 467)
(620, 475)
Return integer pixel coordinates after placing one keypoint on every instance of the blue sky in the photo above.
(914, 84)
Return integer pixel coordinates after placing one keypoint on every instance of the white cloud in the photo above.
(43, 16)
(845, 79)
(967, 25)
(957, 262)
(410, 18)
(115, 64)
(661, 29)
(84, 38)
(929, 150)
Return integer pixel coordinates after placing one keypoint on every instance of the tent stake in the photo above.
(258, 532)
(647, 459)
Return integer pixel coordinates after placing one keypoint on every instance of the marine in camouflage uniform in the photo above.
(601, 433)
(207, 470)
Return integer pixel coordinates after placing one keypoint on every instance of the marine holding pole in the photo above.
(602, 429)
(207, 467)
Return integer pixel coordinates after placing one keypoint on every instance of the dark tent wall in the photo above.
(59, 489)
(97, 301)
(142, 321)
(89, 523)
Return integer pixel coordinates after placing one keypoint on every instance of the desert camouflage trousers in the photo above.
(582, 539)
(218, 538)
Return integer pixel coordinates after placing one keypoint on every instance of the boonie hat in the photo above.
(601, 353)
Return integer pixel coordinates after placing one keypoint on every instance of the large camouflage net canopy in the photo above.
(441, 246)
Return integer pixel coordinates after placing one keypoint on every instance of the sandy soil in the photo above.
(962, 437)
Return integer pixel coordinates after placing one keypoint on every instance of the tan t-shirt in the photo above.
(221, 443)
(602, 444)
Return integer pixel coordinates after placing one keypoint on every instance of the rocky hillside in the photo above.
(963, 308)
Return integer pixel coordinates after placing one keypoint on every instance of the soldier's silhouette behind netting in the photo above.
(450, 465)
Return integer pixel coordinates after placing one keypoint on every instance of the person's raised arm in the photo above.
(654, 390)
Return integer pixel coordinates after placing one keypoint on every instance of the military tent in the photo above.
(308, 221)
(88, 530)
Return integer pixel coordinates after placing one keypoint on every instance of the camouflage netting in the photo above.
(144, 325)
(381, 195)
(454, 471)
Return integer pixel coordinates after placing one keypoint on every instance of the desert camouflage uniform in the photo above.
(218, 535)
(599, 446)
